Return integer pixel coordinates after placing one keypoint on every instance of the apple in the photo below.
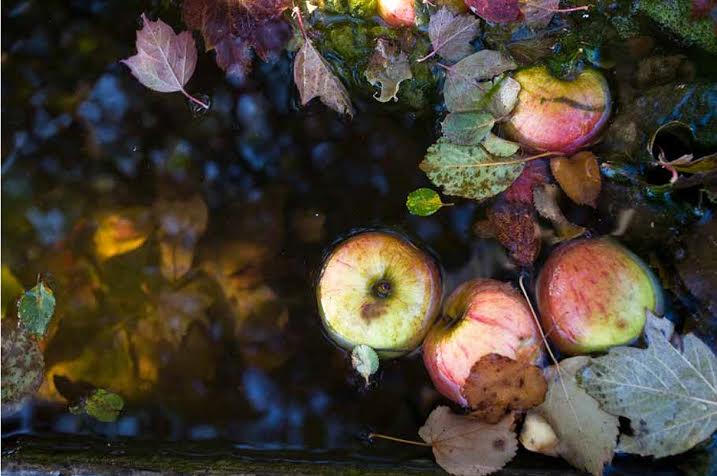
(484, 317)
(397, 13)
(593, 294)
(379, 289)
(555, 115)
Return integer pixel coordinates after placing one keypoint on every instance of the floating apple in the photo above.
(397, 13)
(557, 115)
(593, 294)
(378, 289)
(487, 317)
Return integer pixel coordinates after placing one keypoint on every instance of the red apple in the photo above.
(397, 13)
(485, 316)
(593, 294)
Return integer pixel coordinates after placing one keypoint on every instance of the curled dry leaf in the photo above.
(586, 435)
(498, 385)
(465, 446)
(516, 228)
(578, 176)
(388, 67)
(451, 34)
(545, 199)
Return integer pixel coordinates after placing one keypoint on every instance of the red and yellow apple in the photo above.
(556, 115)
(397, 13)
(484, 317)
(593, 294)
(378, 289)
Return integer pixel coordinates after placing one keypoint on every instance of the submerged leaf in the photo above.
(388, 66)
(516, 228)
(578, 176)
(22, 363)
(121, 232)
(670, 396)
(181, 224)
(364, 360)
(424, 202)
(35, 309)
(545, 198)
(178, 309)
(467, 128)
(465, 446)
(451, 34)
(102, 405)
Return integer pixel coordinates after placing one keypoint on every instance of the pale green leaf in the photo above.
(388, 67)
(35, 309)
(503, 96)
(467, 82)
(364, 360)
(499, 146)
(467, 128)
(423, 202)
(101, 405)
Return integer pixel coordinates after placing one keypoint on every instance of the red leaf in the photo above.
(521, 191)
(516, 228)
(234, 57)
(496, 11)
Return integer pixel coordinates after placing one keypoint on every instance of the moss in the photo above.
(676, 16)
(355, 8)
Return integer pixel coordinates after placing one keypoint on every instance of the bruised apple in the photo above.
(397, 13)
(378, 289)
(486, 317)
(556, 115)
(593, 294)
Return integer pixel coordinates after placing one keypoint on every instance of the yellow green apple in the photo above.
(397, 13)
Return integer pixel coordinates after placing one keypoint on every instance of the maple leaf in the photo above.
(465, 446)
(164, 61)
(388, 67)
(516, 228)
(451, 34)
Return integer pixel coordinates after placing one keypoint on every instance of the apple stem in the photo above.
(397, 440)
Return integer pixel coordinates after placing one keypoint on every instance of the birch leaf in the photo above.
(388, 67)
(669, 396)
(498, 146)
(465, 446)
(424, 202)
(451, 34)
(35, 309)
(314, 78)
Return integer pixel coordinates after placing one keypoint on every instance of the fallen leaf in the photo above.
(35, 309)
(538, 13)
(181, 224)
(503, 96)
(22, 363)
(670, 396)
(579, 177)
(387, 67)
(500, 147)
(179, 309)
(467, 82)
(121, 231)
(537, 435)
(424, 202)
(467, 128)
(314, 78)
(498, 385)
(516, 228)
(465, 446)
(364, 360)
(234, 57)
(101, 405)
(469, 171)
(495, 11)
(164, 61)
(587, 435)
(545, 199)
(534, 174)
(451, 34)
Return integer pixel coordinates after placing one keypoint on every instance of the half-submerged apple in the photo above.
(593, 294)
(397, 13)
(485, 317)
(378, 289)
(556, 115)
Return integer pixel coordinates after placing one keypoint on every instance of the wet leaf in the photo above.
(101, 405)
(690, 165)
(314, 78)
(467, 128)
(503, 96)
(22, 363)
(534, 174)
(364, 360)
(181, 224)
(467, 82)
(11, 288)
(164, 61)
(538, 13)
(121, 232)
(451, 34)
(465, 446)
(670, 396)
(578, 176)
(178, 309)
(388, 67)
(495, 11)
(498, 385)
(545, 199)
(469, 171)
(35, 309)
(587, 435)
(516, 228)
(500, 147)
(423, 202)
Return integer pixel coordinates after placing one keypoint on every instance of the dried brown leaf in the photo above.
(516, 228)
(388, 67)
(578, 176)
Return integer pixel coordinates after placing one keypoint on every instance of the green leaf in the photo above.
(100, 404)
(467, 128)
(35, 309)
(467, 81)
(469, 171)
(22, 362)
(500, 147)
(364, 360)
(424, 202)
(388, 67)
(670, 396)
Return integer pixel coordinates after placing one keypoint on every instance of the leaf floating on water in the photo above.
(388, 67)
(364, 360)
(164, 61)
(467, 128)
(121, 232)
(669, 396)
(500, 147)
(465, 446)
(538, 13)
(579, 177)
(424, 202)
(22, 363)
(496, 11)
(181, 224)
(587, 435)
(545, 199)
(468, 81)
(101, 405)
(503, 97)
(451, 34)
(35, 309)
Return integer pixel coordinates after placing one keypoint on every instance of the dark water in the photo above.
(82, 139)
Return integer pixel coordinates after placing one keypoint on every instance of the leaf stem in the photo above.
(297, 12)
(428, 56)
(504, 162)
(398, 440)
(193, 99)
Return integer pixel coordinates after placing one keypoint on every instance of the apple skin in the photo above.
(379, 289)
(397, 13)
(559, 116)
(592, 295)
(487, 316)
